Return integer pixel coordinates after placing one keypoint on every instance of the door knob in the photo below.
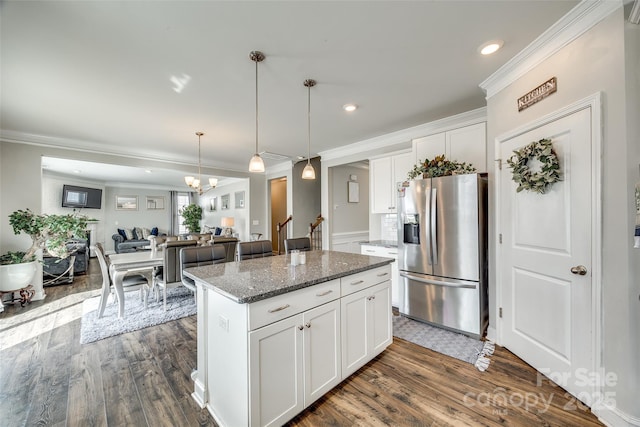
(579, 269)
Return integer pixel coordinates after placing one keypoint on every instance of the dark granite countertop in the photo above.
(384, 243)
(260, 278)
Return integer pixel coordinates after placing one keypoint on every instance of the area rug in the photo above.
(180, 303)
(443, 341)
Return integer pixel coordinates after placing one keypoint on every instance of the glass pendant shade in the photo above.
(213, 182)
(308, 172)
(189, 180)
(256, 164)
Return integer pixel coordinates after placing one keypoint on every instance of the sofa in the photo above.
(132, 239)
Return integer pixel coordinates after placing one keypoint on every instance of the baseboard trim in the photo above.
(614, 417)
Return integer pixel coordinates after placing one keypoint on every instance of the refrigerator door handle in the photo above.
(434, 226)
(451, 284)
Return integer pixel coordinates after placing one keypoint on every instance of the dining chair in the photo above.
(257, 249)
(131, 282)
(196, 257)
(299, 243)
(168, 276)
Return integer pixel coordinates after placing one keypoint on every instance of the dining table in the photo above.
(141, 262)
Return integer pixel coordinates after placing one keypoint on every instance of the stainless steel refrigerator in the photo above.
(442, 252)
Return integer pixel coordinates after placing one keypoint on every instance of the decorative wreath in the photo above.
(535, 181)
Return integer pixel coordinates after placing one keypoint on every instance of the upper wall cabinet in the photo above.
(384, 174)
(467, 144)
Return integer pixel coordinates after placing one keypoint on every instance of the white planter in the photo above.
(14, 277)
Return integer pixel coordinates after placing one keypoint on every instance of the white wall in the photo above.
(240, 215)
(593, 62)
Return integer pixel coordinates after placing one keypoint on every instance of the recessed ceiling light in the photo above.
(77, 171)
(147, 171)
(349, 107)
(490, 47)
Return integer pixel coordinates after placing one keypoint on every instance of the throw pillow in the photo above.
(154, 231)
(217, 231)
(138, 232)
(122, 233)
(145, 233)
(129, 233)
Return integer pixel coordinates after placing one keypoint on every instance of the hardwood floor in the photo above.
(143, 379)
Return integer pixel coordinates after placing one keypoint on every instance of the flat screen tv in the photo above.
(81, 197)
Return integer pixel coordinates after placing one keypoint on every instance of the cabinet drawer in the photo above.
(379, 251)
(271, 310)
(358, 281)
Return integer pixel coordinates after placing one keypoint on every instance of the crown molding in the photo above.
(568, 28)
(405, 136)
(634, 15)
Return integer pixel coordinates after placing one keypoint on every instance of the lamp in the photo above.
(195, 182)
(256, 164)
(227, 222)
(308, 172)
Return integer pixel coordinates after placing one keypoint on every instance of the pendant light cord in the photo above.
(309, 125)
(256, 107)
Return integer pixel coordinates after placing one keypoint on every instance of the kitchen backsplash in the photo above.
(389, 227)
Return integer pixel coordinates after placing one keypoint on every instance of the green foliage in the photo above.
(14, 258)
(439, 166)
(191, 214)
(50, 232)
(535, 181)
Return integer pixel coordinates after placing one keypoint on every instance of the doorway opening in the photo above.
(278, 197)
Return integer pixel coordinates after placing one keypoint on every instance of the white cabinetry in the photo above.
(467, 144)
(293, 362)
(384, 174)
(387, 252)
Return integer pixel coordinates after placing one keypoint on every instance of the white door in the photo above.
(547, 309)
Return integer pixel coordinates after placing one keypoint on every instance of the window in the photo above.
(183, 200)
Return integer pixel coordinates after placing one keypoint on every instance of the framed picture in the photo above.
(353, 192)
(224, 201)
(155, 202)
(239, 199)
(126, 203)
(214, 203)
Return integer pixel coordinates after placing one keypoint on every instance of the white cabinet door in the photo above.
(276, 372)
(322, 363)
(380, 178)
(401, 164)
(354, 332)
(366, 326)
(379, 300)
(468, 144)
(430, 146)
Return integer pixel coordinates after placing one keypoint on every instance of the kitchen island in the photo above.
(273, 338)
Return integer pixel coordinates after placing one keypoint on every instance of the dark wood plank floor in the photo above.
(143, 379)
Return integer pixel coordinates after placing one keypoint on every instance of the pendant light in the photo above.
(308, 172)
(256, 164)
(194, 182)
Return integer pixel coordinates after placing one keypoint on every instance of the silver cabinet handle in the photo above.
(382, 274)
(358, 282)
(300, 327)
(368, 250)
(308, 324)
(273, 310)
(372, 297)
(392, 253)
(579, 269)
(324, 293)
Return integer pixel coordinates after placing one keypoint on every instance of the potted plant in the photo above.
(191, 215)
(439, 166)
(50, 232)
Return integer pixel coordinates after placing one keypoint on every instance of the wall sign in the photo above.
(538, 94)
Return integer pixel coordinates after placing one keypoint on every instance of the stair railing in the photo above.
(315, 232)
(281, 229)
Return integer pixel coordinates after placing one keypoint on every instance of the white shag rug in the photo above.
(180, 303)
(443, 341)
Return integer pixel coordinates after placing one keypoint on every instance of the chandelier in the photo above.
(256, 164)
(309, 172)
(194, 182)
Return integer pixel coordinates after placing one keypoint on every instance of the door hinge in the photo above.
(500, 238)
(499, 161)
(500, 312)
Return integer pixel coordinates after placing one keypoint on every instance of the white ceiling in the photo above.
(98, 74)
